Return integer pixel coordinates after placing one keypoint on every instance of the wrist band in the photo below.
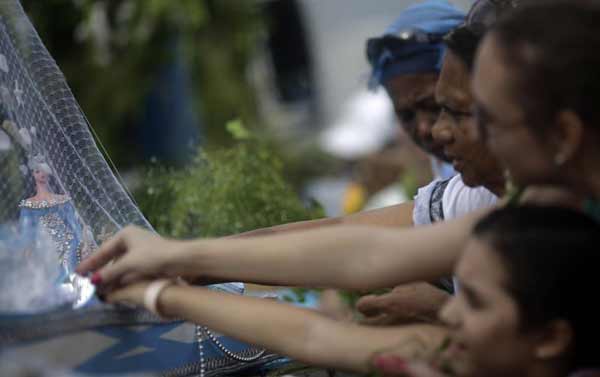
(152, 293)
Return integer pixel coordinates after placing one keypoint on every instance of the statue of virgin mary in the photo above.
(53, 214)
(53, 178)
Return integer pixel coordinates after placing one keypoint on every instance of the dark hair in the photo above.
(550, 255)
(554, 50)
(463, 40)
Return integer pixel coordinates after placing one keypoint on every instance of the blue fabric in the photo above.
(57, 220)
(421, 59)
(432, 17)
(160, 354)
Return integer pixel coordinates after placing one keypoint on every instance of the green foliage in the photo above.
(223, 191)
(237, 130)
(113, 51)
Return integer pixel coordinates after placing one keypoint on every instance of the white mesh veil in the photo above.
(42, 123)
(52, 173)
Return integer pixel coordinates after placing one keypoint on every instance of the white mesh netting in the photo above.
(53, 179)
(52, 174)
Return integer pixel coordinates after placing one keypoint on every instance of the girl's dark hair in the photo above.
(463, 40)
(551, 256)
(553, 48)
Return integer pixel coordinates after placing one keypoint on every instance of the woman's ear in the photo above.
(568, 137)
(555, 339)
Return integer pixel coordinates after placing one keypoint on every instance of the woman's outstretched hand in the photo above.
(134, 254)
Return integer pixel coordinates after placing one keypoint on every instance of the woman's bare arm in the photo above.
(399, 215)
(302, 334)
(346, 257)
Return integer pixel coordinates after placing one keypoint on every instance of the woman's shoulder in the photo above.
(36, 203)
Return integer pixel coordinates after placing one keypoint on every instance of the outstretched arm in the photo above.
(399, 215)
(302, 334)
(346, 257)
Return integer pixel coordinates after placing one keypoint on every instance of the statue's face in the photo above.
(40, 176)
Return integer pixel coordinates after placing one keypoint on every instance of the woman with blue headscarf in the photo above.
(406, 61)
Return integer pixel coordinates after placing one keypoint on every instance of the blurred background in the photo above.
(224, 115)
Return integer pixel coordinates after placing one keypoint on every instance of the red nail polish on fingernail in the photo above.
(96, 278)
(389, 364)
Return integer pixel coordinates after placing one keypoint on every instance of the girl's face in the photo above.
(483, 319)
(528, 157)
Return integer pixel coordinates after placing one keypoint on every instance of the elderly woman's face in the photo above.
(415, 108)
(501, 120)
(455, 128)
(483, 318)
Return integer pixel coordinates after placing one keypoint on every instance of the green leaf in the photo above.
(237, 130)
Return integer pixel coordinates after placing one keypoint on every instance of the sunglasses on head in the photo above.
(394, 43)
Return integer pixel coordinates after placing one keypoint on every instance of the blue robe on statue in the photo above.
(58, 219)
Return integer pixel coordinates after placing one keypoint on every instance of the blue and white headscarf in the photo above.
(432, 17)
